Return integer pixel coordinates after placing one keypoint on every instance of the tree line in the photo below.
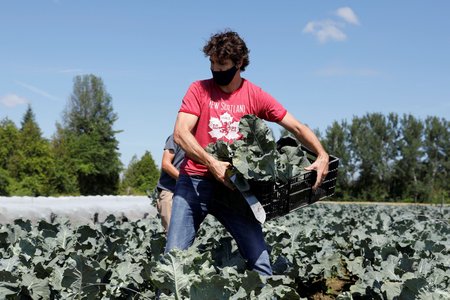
(391, 158)
(81, 158)
(382, 157)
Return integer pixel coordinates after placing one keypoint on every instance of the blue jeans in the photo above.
(193, 200)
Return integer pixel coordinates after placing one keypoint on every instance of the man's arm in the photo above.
(307, 137)
(166, 164)
(183, 136)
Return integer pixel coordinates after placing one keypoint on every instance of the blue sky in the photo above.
(323, 60)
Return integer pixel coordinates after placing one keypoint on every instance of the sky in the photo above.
(324, 60)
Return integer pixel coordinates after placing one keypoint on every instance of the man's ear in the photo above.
(239, 65)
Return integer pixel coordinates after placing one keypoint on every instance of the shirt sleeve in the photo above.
(170, 144)
(269, 108)
(191, 100)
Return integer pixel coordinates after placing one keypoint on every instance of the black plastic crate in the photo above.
(280, 199)
(274, 197)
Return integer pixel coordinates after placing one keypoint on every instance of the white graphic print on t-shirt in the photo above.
(224, 127)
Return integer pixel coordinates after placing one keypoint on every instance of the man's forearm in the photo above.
(304, 134)
(195, 152)
(307, 137)
(191, 147)
(170, 169)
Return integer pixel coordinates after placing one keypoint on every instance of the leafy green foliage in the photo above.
(388, 158)
(381, 158)
(65, 181)
(89, 138)
(4, 182)
(337, 142)
(256, 157)
(409, 167)
(373, 137)
(29, 163)
(9, 134)
(437, 149)
(375, 251)
(140, 176)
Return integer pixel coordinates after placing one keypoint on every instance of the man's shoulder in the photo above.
(170, 144)
(201, 87)
(250, 86)
(202, 83)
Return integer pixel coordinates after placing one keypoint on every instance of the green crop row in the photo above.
(339, 251)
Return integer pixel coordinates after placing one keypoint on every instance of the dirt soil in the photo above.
(325, 289)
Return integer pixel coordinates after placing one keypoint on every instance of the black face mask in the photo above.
(223, 78)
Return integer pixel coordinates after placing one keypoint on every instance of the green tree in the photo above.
(31, 164)
(5, 181)
(9, 134)
(8, 141)
(373, 139)
(337, 143)
(437, 165)
(407, 182)
(65, 180)
(140, 176)
(89, 137)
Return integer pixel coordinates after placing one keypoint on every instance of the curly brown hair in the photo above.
(228, 45)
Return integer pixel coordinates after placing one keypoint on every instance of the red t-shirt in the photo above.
(219, 114)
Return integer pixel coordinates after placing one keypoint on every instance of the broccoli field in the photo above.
(323, 251)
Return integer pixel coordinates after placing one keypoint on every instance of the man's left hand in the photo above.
(321, 167)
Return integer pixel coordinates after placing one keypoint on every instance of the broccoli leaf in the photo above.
(256, 156)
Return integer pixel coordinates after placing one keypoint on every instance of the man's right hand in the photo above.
(219, 170)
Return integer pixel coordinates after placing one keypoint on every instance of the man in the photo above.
(211, 110)
(173, 155)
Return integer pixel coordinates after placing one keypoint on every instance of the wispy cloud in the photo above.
(325, 30)
(347, 14)
(12, 100)
(37, 91)
(338, 71)
(332, 30)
